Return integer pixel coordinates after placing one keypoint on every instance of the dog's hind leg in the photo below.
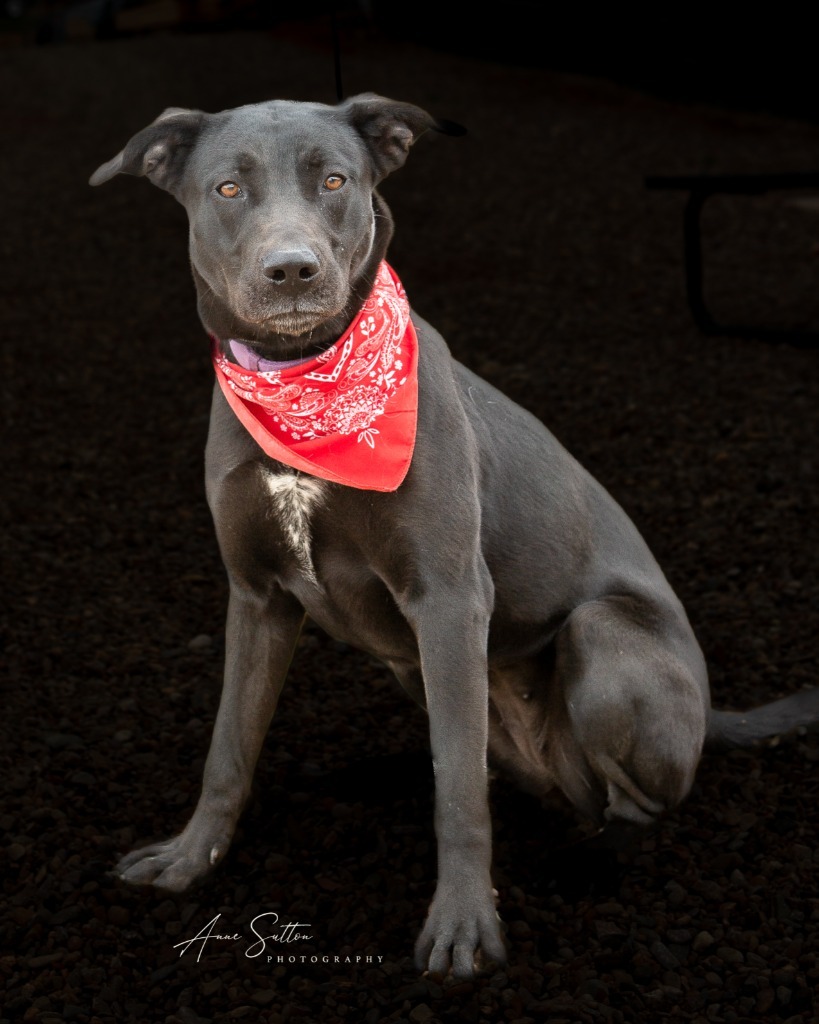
(629, 724)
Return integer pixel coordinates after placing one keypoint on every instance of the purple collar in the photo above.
(244, 356)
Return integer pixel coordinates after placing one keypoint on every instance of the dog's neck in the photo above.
(222, 323)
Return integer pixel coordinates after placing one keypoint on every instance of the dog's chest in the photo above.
(316, 558)
(294, 499)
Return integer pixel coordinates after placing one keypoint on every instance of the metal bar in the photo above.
(736, 184)
(700, 188)
(693, 263)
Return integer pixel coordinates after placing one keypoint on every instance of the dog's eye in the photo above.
(228, 189)
(333, 182)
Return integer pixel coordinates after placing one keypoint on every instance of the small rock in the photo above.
(338, 923)
(166, 911)
(676, 894)
(277, 862)
(41, 961)
(118, 916)
(765, 1000)
(609, 934)
(664, 957)
(187, 1015)
(200, 643)
(456, 989)
(605, 909)
(418, 990)
(84, 779)
(594, 988)
(61, 740)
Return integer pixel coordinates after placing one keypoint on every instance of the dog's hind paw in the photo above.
(459, 928)
(174, 865)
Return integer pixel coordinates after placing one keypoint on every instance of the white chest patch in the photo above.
(295, 496)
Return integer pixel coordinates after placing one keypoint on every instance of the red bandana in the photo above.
(347, 415)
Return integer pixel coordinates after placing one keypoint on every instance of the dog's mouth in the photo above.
(293, 323)
(273, 317)
(287, 334)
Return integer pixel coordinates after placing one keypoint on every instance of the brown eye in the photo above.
(334, 182)
(229, 189)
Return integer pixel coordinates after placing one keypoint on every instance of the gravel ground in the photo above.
(533, 245)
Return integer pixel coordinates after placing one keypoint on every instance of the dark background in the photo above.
(533, 245)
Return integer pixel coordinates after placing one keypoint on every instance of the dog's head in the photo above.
(286, 230)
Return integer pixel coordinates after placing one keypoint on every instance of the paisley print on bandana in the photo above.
(347, 415)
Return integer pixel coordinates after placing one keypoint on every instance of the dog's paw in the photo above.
(174, 865)
(458, 927)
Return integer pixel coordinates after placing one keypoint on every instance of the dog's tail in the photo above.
(729, 729)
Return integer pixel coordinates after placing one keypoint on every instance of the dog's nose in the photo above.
(293, 267)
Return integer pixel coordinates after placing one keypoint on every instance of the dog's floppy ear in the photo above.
(389, 128)
(158, 151)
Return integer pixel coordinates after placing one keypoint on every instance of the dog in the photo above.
(361, 476)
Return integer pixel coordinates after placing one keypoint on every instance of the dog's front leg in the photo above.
(452, 635)
(260, 639)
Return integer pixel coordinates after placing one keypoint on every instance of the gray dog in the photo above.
(359, 475)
